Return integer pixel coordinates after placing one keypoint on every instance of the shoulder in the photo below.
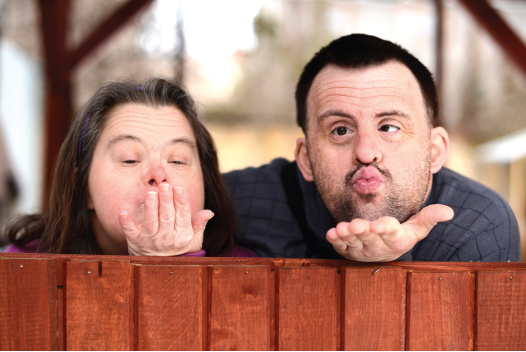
(267, 172)
(239, 252)
(464, 194)
(259, 182)
(484, 227)
(31, 247)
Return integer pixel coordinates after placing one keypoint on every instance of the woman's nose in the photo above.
(156, 175)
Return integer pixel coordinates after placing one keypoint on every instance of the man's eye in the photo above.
(341, 131)
(389, 128)
(130, 161)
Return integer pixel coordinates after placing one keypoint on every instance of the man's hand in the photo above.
(385, 239)
(168, 228)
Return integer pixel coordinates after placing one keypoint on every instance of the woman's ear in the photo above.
(439, 148)
(302, 158)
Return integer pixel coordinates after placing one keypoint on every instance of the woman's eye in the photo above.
(341, 131)
(389, 128)
(177, 162)
(130, 161)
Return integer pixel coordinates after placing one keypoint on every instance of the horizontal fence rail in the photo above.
(73, 302)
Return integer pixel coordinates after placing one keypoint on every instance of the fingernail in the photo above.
(151, 195)
(123, 213)
(178, 190)
(163, 187)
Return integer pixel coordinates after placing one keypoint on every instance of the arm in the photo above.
(385, 239)
(168, 228)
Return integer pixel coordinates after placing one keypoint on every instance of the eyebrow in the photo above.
(326, 114)
(393, 113)
(123, 137)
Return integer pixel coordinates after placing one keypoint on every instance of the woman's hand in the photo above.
(168, 228)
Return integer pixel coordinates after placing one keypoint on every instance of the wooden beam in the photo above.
(122, 15)
(54, 22)
(488, 18)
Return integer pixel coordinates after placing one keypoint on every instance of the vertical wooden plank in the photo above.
(273, 323)
(372, 307)
(308, 309)
(438, 311)
(170, 307)
(98, 300)
(240, 298)
(28, 304)
(501, 310)
(60, 318)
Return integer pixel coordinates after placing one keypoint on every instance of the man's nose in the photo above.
(156, 175)
(366, 148)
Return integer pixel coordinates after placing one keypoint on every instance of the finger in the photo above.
(199, 221)
(150, 225)
(427, 218)
(385, 226)
(166, 209)
(359, 227)
(334, 239)
(183, 214)
(129, 226)
(362, 231)
(351, 232)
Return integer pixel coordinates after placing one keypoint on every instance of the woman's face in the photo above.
(139, 148)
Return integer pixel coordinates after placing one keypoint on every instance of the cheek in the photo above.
(331, 161)
(194, 187)
(110, 194)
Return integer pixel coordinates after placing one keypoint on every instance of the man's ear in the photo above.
(439, 148)
(302, 158)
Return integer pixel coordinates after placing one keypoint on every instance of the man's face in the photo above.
(369, 142)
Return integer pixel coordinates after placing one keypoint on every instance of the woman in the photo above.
(137, 174)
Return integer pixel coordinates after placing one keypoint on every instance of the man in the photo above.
(368, 182)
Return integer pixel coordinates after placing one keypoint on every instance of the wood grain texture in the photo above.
(170, 308)
(372, 305)
(308, 309)
(501, 310)
(240, 312)
(438, 306)
(98, 297)
(28, 304)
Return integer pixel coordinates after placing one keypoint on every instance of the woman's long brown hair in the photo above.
(64, 225)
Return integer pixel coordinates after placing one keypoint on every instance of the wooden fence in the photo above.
(50, 302)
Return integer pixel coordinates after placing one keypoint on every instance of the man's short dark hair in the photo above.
(359, 51)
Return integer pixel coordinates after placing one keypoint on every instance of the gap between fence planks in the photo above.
(126, 303)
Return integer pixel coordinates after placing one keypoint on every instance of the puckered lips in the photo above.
(367, 180)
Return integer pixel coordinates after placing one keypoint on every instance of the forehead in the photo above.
(157, 123)
(389, 86)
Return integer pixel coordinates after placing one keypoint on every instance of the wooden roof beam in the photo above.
(497, 27)
(122, 15)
